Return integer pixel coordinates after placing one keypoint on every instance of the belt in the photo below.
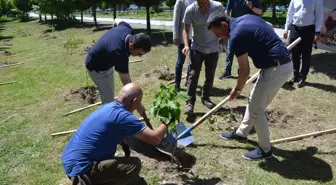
(279, 62)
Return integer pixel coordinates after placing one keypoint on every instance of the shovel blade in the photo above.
(187, 138)
(167, 144)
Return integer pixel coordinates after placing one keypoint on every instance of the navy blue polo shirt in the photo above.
(111, 50)
(239, 7)
(97, 137)
(251, 34)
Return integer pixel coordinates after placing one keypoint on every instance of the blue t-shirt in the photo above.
(111, 50)
(239, 7)
(251, 34)
(98, 136)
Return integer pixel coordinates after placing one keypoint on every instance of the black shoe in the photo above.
(189, 108)
(208, 103)
(232, 136)
(302, 82)
(293, 80)
(257, 154)
(225, 75)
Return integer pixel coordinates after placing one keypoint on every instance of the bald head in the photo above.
(130, 95)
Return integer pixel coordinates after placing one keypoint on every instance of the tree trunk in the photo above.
(45, 18)
(148, 18)
(40, 16)
(52, 16)
(94, 14)
(114, 11)
(82, 16)
(273, 12)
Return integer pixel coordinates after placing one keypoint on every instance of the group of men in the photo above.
(89, 157)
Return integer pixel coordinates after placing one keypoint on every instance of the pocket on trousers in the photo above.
(269, 74)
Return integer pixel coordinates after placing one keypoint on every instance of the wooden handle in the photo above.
(83, 108)
(146, 119)
(9, 65)
(294, 138)
(173, 81)
(218, 106)
(72, 131)
(6, 83)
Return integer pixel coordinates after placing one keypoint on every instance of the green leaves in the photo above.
(166, 106)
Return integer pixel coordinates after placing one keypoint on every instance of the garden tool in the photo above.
(217, 107)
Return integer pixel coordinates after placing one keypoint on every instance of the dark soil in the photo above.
(161, 74)
(89, 94)
(279, 118)
(5, 53)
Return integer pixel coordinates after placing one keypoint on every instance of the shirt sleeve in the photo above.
(122, 65)
(238, 45)
(318, 15)
(176, 19)
(290, 14)
(132, 125)
(187, 19)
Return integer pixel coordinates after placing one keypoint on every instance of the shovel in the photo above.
(217, 107)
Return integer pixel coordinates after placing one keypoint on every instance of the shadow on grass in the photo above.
(325, 87)
(192, 117)
(299, 164)
(324, 63)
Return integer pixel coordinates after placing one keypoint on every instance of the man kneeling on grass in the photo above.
(88, 158)
(251, 36)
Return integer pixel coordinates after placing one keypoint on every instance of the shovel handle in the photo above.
(218, 106)
(146, 119)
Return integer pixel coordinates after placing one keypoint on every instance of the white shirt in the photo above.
(305, 13)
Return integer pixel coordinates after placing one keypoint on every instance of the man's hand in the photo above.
(176, 42)
(249, 4)
(234, 94)
(285, 35)
(317, 37)
(125, 148)
(185, 50)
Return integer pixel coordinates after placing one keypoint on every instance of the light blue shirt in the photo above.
(305, 13)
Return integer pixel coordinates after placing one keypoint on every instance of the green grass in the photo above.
(32, 108)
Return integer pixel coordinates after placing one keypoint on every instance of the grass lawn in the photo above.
(32, 108)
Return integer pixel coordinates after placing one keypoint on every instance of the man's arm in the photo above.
(290, 13)
(125, 78)
(153, 136)
(177, 22)
(318, 16)
(186, 34)
(244, 71)
(255, 6)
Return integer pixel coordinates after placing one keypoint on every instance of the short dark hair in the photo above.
(142, 41)
(216, 18)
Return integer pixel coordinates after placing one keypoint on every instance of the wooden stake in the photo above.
(5, 83)
(9, 65)
(294, 138)
(136, 61)
(72, 131)
(83, 108)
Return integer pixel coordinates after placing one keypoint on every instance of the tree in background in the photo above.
(82, 5)
(5, 7)
(23, 6)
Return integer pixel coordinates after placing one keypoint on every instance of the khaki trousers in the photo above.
(105, 83)
(268, 84)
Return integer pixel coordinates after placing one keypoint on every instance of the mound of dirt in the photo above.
(89, 94)
(5, 53)
(160, 73)
(279, 118)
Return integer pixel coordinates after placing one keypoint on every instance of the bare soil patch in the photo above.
(5, 53)
(160, 73)
(89, 94)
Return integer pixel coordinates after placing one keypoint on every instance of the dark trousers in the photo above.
(229, 58)
(210, 62)
(303, 49)
(118, 170)
(179, 64)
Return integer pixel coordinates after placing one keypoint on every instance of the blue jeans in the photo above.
(229, 59)
(179, 64)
